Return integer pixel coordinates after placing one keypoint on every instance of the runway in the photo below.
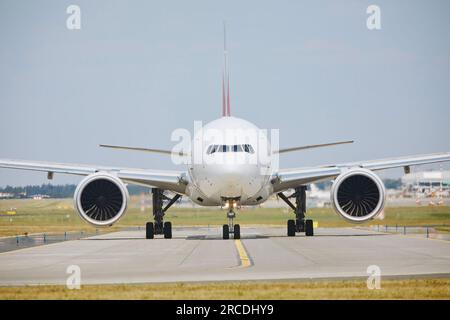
(199, 254)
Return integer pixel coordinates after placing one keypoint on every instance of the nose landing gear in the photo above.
(300, 224)
(232, 228)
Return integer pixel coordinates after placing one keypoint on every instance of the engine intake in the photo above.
(101, 199)
(358, 195)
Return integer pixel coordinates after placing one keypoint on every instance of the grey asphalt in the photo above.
(199, 254)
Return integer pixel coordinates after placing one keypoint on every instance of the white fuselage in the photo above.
(230, 159)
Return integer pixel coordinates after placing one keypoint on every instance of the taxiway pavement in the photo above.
(200, 254)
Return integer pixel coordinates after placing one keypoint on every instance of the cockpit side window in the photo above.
(211, 149)
(248, 148)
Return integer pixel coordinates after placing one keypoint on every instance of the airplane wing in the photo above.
(161, 151)
(168, 180)
(291, 178)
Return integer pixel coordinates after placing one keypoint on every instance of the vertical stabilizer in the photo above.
(225, 77)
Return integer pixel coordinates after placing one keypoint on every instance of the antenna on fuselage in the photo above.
(225, 77)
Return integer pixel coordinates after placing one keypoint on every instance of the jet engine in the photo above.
(101, 199)
(358, 195)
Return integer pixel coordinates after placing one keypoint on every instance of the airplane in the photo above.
(236, 168)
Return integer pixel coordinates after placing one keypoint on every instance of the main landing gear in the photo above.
(232, 228)
(159, 226)
(300, 224)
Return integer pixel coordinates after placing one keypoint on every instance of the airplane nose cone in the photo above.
(230, 181)
(236, 181)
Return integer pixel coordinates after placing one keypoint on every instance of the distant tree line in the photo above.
(323, 185)
(57, 191)
(392, 183)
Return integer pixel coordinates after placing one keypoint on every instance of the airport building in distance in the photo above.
(427, 181)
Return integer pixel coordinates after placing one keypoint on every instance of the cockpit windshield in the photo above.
(230, 148)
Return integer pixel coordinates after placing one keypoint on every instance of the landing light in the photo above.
(230, 204)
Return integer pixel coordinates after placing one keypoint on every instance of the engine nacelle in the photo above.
(358, 195)
(101, 199)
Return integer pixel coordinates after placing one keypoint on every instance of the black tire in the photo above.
(226, 232)
(291, 228)
(309, 228)
(167, 230)
(237, 231)
(149, 230)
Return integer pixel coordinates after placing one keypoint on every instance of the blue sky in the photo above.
(139, 69)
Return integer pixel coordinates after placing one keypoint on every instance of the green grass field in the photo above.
(53, 215)
(340, 289)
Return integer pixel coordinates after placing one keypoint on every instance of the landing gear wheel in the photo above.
(300, 225)
(226, 232)
(291, 228)
(159, 227)
(309, 228)
(167, 230)
(237, 231)
(149, 231)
